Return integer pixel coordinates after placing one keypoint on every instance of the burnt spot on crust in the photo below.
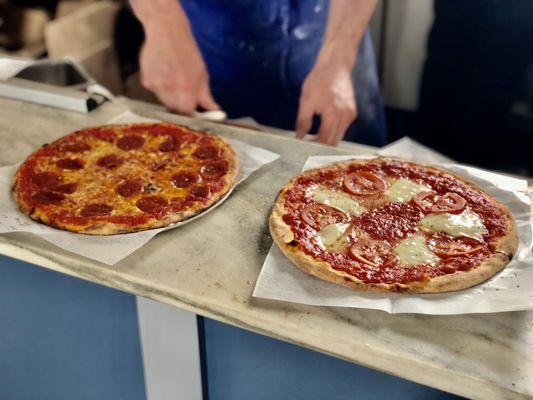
(293, 243)
(399, 288)
(509, 256)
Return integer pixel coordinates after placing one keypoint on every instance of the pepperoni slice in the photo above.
(364, 183)
(74, 147)
(448, 203)
(154, 205)
(160, 129)
(48, 197)
(70, 163)
(215, 169)
(103, 133)
(200, 192)
(96, 210)
(319, 215)
(46, 180)
(170, 144)
(207, 152)
(130, 188)
(185, 178)
(110, 161)
(177, 204)
(130, 142)
(371, 252)
(179, 133)
(67, 188)
(447, 246)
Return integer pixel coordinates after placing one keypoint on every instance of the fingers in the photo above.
(345, 121)
(327, 129)
(334, 124)
(304, 120)
(181, 103)
(187, 102)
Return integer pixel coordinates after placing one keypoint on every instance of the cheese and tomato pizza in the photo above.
(125, 178)
(390, 225)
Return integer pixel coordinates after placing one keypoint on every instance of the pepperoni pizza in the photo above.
(390, 225)
(125, 178)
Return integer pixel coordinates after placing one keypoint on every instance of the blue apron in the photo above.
(258, 54)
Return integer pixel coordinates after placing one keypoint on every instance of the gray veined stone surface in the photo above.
(210, 267)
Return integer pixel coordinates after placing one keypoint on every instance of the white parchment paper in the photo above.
(109, 249)
(510, 290)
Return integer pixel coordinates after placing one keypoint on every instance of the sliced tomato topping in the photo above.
(447, 246)
(364, 183)
(371, 252)
(432, 203)
(319, 215)
(424, 200)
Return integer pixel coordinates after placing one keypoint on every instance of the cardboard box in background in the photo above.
(22, 30)
(66, 7)
(84, 33)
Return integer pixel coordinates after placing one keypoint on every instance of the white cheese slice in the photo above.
(467, 223)
(403, 190)
(414, 251)
(338, 200)
(330, 233)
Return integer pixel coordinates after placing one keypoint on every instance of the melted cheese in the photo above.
(330, 233)
(467, 223)
(338, 200)
(414, 251)
(403, 190)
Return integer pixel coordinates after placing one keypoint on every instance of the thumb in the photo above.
(206, 100)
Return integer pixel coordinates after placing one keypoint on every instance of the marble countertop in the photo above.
(210, 267)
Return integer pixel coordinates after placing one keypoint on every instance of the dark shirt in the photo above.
(258, 54)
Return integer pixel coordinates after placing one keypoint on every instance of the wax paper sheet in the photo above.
(109, 249)
(509, 290)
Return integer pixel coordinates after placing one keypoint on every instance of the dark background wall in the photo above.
(476, 95)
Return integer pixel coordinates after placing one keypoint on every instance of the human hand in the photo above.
(172, 67)
(327, 91)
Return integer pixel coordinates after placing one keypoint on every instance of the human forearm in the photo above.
(158, 16)
(347, 22)
(328, 89)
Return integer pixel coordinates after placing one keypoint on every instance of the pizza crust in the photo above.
(283, 236)
(110, 228)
